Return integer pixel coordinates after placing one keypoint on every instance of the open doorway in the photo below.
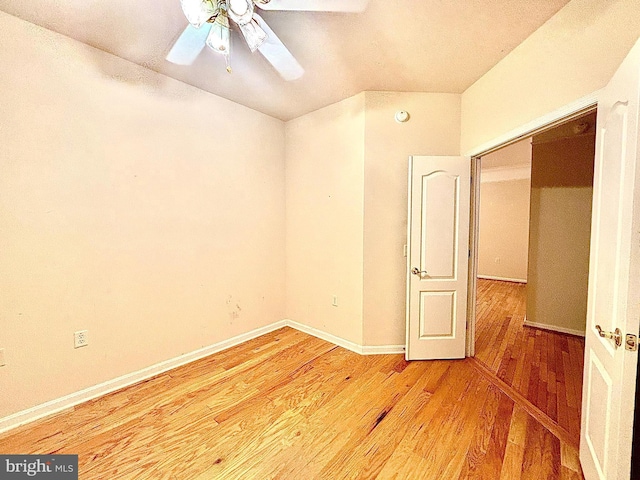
(534, 221)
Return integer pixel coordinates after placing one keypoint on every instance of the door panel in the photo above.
(440, 305)
(438, 240)
(600, 390)
(440, 193)
(614, 279)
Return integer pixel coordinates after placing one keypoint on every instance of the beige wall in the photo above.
(561, 195)
(504, 230)
(433, 129)
(347, 206)
(324, 227)
(572, 55)
(512, 156)
(144, 210)
(503, 223)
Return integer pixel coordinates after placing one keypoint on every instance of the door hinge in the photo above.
(631, 342)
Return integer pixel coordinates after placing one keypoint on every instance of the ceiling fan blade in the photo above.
(189, 45)
(315, 5)
(277, 54)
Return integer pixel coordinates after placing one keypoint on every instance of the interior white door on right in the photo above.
(608, 397)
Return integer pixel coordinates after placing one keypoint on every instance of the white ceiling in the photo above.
(394, 45)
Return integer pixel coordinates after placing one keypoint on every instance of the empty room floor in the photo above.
(544, 366)
(290, 406)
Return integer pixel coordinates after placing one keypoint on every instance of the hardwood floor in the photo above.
(544, 366)
(291, 406)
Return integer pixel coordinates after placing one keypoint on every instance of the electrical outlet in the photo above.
(81, 339)
(334, 301)
(2, 360)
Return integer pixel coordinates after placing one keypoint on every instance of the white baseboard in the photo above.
(354, 347)
(341, 342)
(383, 349)
(503, 279)
(63, 403)
(553, 328)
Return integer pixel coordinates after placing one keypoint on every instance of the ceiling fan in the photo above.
(209, 25)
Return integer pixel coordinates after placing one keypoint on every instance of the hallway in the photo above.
(544, 366)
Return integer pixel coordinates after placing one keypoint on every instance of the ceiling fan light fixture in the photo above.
(199, 12)
(218, 39)
(253, 34)
(240, 11)
(209, 25)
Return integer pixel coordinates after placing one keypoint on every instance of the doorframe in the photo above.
(474, 238)
(561, 115)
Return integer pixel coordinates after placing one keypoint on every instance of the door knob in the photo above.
(616, 335)
(417, 271)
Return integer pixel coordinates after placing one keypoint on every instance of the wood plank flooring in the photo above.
(544, 366)
(290, 406)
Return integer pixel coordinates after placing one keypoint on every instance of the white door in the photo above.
(614, 281)
(438, 257)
